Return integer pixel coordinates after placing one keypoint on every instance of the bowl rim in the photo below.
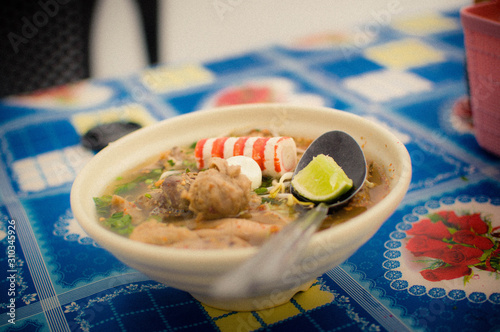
(206, 258)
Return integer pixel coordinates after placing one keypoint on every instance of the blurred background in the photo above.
(51, 42)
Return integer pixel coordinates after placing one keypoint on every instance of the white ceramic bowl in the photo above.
(194, 271)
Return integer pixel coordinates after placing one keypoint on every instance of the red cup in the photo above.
(481, 23)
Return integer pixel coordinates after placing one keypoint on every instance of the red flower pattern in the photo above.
(455, 243)
(421, 244)
(461, 255)
(468, 237)
(434, 230)
(446, 272)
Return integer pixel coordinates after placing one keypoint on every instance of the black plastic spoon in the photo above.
(344, 149)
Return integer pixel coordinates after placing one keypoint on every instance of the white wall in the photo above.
(198, 30)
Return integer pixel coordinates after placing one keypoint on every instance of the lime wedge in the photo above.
(322, 180)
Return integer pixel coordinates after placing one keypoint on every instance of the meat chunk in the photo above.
(249, 231)
(173, 186)
(216, 241)
(158, 233)
(169, 235)
(167, 201)
(269, 217)
(219, 192)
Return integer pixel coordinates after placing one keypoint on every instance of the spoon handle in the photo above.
(269, 269)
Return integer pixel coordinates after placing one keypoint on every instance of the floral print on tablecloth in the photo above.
(447, 248)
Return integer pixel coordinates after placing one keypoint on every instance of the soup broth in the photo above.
(172, 201)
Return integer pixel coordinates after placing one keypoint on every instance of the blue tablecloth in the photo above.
(408, 75)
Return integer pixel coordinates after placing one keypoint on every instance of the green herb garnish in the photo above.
(147, 178)
(120, 223)
(103, 204)
(267, 181)
(261, 191)
(189, 164)
(272, 201)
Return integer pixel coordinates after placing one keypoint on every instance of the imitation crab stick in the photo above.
(275, 155)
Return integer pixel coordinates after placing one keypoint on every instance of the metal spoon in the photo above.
(267, 271)
(271, 269)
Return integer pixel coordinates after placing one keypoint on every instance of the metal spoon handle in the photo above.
(265, 270)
